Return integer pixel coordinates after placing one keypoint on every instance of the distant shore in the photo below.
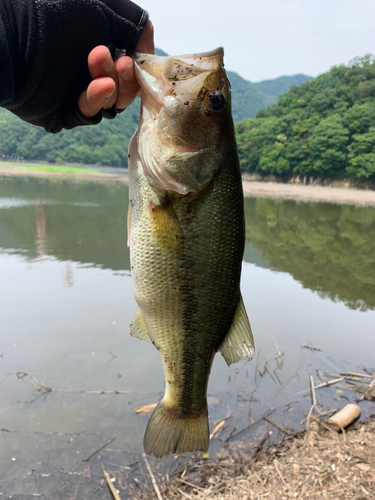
(317, 194)
(252, 189)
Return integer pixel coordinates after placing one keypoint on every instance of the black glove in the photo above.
(49, 41)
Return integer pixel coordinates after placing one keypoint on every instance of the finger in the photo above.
(101, 64)
(98, 95)
(146, 43)
(128, 87)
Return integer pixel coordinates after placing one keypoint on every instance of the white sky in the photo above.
(265, 39)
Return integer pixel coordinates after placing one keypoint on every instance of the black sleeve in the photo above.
(44, 53)
(6, 70)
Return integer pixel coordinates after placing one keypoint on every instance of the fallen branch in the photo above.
(219, 426)
(100, 449)
(361, 375)
(154, 484)
(368, 390)
(110, 486)
(325, 384)
(260, 443)
(145, 408)
(288, 433)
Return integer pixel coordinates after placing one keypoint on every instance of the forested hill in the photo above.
(107, 143)
(322, 128)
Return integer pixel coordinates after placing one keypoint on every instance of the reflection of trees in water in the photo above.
(86, 221)
(40, 223)
(328, 248)
(68, 274)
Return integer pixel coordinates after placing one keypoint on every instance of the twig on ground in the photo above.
(189, 484)
(325, 384)
(183, 493)
(361, 375)
(368, 390)
(288, 433)
(260, 443)
(154, 483)
(313, 399)
(145, 408)
(279, 473)
(100, 449)
(220, 425)
(110, 486)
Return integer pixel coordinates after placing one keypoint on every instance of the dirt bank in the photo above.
(349, 196)
(316, 465)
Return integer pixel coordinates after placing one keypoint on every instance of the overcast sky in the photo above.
(265, 39)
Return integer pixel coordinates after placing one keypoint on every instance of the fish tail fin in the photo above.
(167, 433)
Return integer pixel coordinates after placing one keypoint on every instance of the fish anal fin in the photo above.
(238, 343)
(168, 433)
(138, 327)
(166, 227)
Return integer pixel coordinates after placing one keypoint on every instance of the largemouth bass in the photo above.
(186, 236)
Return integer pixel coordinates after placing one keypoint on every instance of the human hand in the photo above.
(114, 83)
(49, 42)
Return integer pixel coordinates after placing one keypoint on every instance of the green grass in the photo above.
(50, 168)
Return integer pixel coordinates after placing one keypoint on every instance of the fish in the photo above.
(186, 234)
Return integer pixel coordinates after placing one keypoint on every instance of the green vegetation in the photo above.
(62, 170)
(323, 128)
(327, 248)
(104, 144)
(248, 98)
(107, 143)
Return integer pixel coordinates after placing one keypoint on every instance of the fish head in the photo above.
(185, 118)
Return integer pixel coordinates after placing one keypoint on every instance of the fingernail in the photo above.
(108, 64)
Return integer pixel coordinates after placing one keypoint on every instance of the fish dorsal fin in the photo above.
(238, 343)
(138, 327)
(166, 227)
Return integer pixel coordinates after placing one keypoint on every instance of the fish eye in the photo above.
(216, 101)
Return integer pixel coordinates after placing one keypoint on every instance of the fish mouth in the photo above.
(156, 74)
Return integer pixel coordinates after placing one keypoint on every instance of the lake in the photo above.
(71, 376)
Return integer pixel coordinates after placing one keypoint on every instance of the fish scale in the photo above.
(186, 235)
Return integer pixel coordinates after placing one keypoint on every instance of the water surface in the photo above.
(66, 303)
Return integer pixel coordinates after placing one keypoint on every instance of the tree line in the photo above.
(322, 128)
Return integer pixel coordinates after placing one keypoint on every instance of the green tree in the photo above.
(327, 146)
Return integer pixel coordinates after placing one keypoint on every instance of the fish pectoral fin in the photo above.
(166, 227)
(238, 343)
(138, 327)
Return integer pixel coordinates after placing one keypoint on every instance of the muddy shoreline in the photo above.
(252, 189)
(315, 464)
(317, 194)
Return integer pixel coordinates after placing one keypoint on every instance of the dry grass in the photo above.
(317, 464)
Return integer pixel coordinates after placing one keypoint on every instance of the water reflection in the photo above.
(68, 274)
(328, 248)
(40, 222)
(85, 222)
(64, 325)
